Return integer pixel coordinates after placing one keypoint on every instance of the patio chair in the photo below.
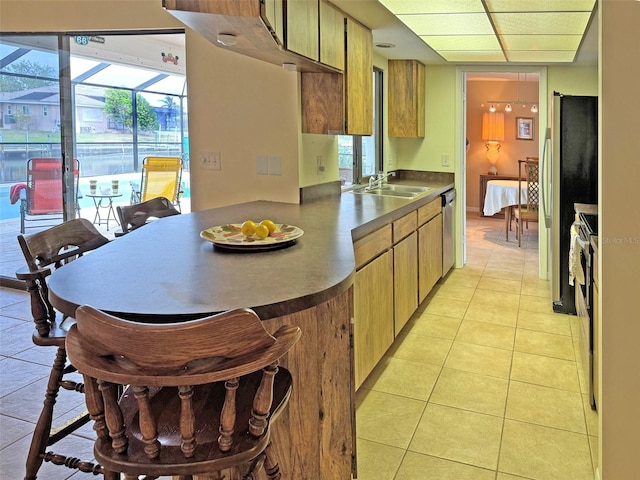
(41, 196)
(161, 177)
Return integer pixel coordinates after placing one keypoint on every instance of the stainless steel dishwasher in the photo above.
(448, 242)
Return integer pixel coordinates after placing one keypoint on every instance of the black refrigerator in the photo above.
(574, 133)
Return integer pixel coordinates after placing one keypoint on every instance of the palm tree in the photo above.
(170, 107)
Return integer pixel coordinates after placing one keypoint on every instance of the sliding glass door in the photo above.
(94, 107)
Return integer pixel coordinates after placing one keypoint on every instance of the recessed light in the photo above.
(385, 45)
(227, 39)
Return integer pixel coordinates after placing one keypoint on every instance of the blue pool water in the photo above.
(8, 211)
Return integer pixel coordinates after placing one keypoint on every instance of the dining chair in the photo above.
(527, 211)
(44, 252)
(200, 399)
(41, 196)
(136, 215)
(161, 177)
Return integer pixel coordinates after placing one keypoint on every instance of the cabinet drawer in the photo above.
(430, 210)
(405, 226)
(372, 245)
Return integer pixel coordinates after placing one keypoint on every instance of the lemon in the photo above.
(262, 231)
(270, 225)
(248, 228)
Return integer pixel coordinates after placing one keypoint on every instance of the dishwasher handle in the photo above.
(448, 197)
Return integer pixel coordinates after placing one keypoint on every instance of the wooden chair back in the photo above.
(136, 215)
(529, 173)
(201, 395)
(50, 249)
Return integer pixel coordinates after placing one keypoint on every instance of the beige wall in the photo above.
(243, 108)
(620, 239)
(426, 153)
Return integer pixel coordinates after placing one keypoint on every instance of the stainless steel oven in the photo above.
(584, 298)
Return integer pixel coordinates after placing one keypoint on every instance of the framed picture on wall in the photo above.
(524, 128)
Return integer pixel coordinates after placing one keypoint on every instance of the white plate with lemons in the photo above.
(250, 236)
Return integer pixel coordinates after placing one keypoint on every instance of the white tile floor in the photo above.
(482, 383)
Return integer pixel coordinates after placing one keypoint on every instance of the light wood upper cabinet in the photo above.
(337, 104)
(274, 18)
(262, 29)
(359, 80)
(331, 35)
(302, 35)
(406, 113)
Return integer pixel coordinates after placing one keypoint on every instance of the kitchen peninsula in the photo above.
(165, 272)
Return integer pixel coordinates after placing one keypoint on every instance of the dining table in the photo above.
(504, 194)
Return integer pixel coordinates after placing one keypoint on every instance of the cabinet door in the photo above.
(405, 280)
(429, 255)
(359, 79)
(373, 313)
(406, 98)
(302, 28)
(331, 36)
(273, 17)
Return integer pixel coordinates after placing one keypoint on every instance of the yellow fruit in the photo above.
(248, 228)
(270, 225)
(262, 231)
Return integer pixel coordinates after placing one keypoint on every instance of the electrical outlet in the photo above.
(445, 160)
(216, 161)
(319, 163)
(211, 161)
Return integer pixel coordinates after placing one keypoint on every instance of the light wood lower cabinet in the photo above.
(405, 280)
(429, 256)
(373, 311)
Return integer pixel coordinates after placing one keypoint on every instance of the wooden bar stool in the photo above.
(44, 252)
(201, 394)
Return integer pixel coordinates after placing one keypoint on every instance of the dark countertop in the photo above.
(165, 269)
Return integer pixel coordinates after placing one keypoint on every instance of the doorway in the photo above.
(480, 89)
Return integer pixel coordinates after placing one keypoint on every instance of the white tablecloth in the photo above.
(502, 193)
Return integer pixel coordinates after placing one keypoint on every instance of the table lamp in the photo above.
(492, 133)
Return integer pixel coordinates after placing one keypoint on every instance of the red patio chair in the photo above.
(42, 196)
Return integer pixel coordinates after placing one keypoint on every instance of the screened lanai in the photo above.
(107, 100)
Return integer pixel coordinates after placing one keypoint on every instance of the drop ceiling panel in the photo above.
(462, 42)
(469, 56)
(565, 23)
(449, 24)
(540, 5)
(541, 42)
(433, 6)
(541, 56)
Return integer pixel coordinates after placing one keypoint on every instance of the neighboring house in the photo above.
(38, 109)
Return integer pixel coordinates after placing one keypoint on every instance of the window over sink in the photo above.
(361, 156)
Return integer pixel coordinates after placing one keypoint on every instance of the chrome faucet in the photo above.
(375, 181)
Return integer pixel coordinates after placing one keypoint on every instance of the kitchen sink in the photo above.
(393, 190)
